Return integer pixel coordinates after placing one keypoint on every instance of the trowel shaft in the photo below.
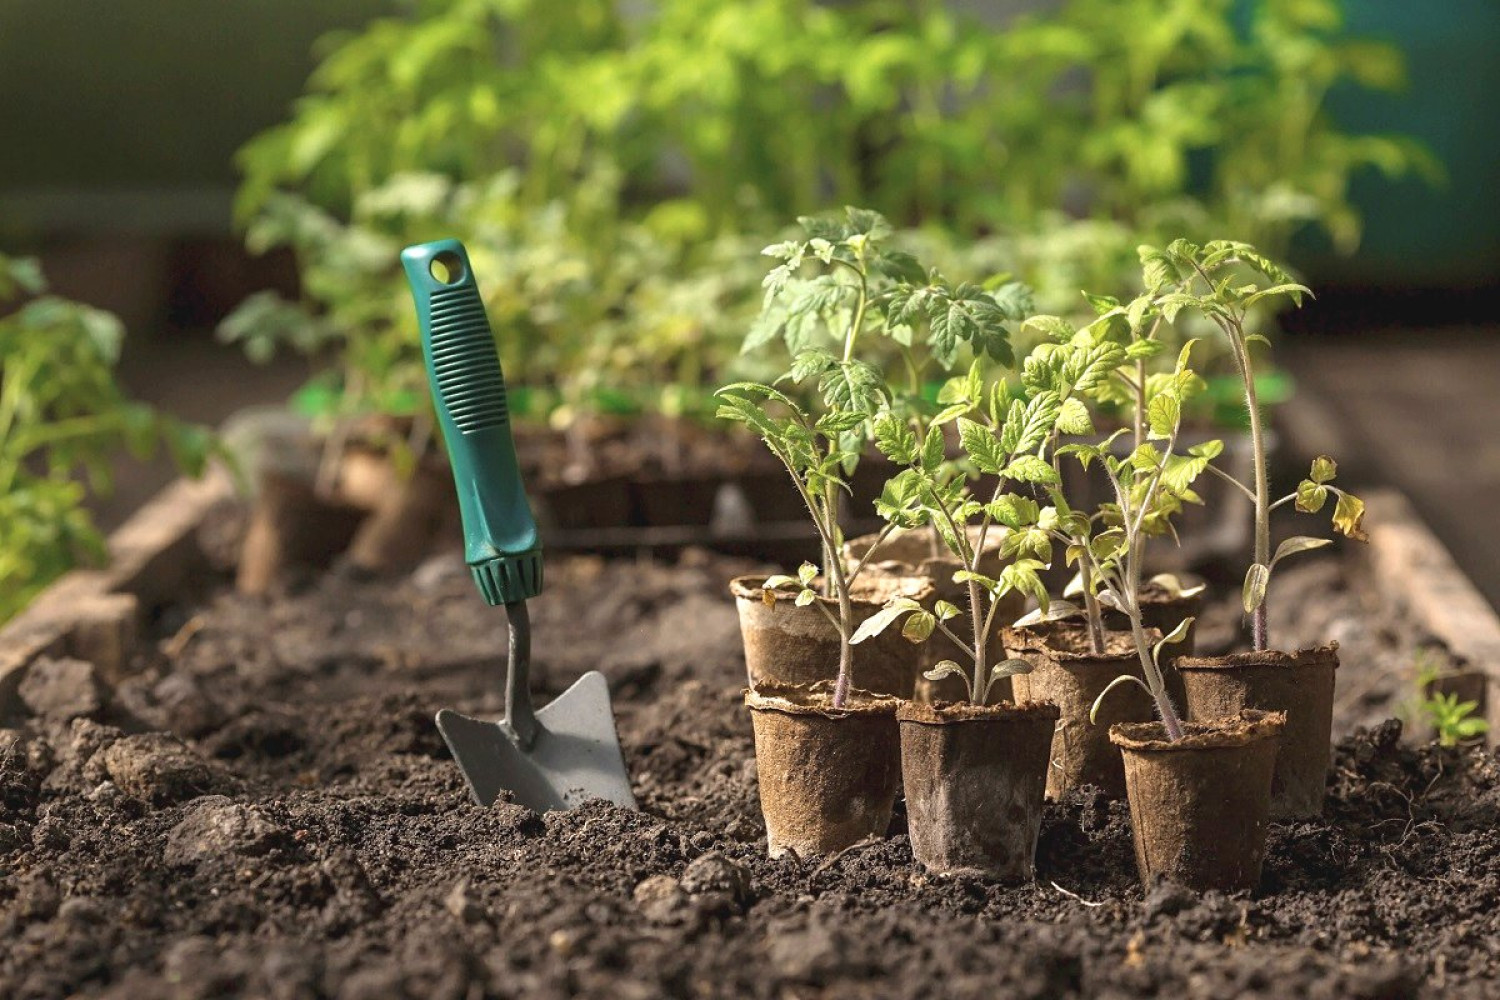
(520, 719)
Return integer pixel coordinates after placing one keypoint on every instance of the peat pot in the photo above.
(1066, 673)
(1299, 685)
(913, 555)
(292, 525)
(974, 778)
(1199, 806)
(785, 644)
(828, 777)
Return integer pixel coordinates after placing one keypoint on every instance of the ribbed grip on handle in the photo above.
(463, 367)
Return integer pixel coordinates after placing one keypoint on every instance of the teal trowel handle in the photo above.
(468, 390)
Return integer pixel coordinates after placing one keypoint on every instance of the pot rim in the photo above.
(855, 548)
(921, 590)
(1311, 656)
(1156, 595)
(1030, 640)
(945, 713)
(817, 699)
(1250, 726)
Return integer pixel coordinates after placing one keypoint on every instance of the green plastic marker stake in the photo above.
(568, 752)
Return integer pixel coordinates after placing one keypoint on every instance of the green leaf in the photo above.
(898, 265)
(1311, 496)
(1183, 355)
(1256, 579)
(965, 575)
(948, 414)
(944, 669)
(1158, 270)
(1208, 449)
(867, 222)
(807, 573)
(898, 499)
(1173, 585)
(780, 580)
(1052, 326)
(1013, 511)
(1139, 350)
(1122, 679)
(805, 598)
(1006, 668)
(1030, 469)
(811, 363)
(785, 250)
(1323, 470)
(854, 385)
(919, 626)
(839, 422)
(1177, 634)
(1101, 304)
(1089, 369)
(946, 610)
(1056, 611)
(1291, 290)
(1010, 668)
(1301, 543)
(739, 409)
(934, 449)
(981, 445)
(1163, 413)
(882, 619)
(1039, 418)
(896, 439)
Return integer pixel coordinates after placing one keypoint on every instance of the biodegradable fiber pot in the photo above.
(828, 777)
(1066, 673)
(1199, 807)
(1300, 685)
(974, 778)
(785, 644)
(911, 555)
(291, 525)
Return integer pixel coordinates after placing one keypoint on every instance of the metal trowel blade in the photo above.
(576, 756)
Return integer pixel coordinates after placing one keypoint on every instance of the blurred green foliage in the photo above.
(602, 168)
(62, 414)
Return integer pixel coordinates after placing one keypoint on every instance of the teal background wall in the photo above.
(124, 115)
(1416, 235)
(128, 101)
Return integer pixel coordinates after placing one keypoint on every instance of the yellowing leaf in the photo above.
(1349, 517)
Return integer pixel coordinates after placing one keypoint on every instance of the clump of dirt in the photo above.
(266, 810)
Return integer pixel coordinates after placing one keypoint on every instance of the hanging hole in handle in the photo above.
(447, 268)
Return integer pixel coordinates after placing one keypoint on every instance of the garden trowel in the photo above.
(568, 752)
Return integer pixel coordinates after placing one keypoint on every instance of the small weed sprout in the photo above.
(1453, 720)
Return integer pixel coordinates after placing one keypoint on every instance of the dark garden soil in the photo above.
(267, 810)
